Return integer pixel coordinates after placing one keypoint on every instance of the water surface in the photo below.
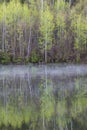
(43, 97)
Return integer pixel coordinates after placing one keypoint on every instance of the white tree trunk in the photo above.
(28, 50)
(42, 4)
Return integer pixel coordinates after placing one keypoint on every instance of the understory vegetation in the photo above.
(43, 31)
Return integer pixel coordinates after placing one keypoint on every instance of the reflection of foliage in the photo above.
(47, 100)
(79, 105)
(47, 106)
(61, 113)
(62, 110)
(16, 118)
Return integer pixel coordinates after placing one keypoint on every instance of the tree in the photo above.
(80, 31)
(46, 29)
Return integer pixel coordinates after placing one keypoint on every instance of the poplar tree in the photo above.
(46, 30)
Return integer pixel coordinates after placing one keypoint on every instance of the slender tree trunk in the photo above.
(29, 42)
(46, 48)
(3, 38)
(46, 52)
(4, 28)
(14, 38)
(42, 4)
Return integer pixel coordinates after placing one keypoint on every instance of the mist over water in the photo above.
(43, 97)
(58, 70)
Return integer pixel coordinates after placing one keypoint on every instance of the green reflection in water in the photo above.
(52, 108)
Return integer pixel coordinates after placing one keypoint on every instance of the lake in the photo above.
(43, 97)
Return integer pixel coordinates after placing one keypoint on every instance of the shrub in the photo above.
(34, 58)
(4, 58)
(18, 60)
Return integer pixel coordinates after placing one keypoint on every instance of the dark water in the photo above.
(52, 97)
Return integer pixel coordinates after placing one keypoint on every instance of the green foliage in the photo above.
(4, 58)
(17, 60)
(80, 30)
(56, 28)
(26, 59)
(46, 27)
(47, 105)
(34, 57)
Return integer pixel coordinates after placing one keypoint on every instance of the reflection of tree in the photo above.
(47, 106)
(17, 117)
(51, 106)
(67, 108)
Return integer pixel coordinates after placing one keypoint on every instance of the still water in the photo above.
(40, 97)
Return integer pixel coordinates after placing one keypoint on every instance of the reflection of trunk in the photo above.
(54, 119)
(66, 127)
(29, 82)
(71, 125)
(46, 78)
(20, 84)
(55, 107)
(43, 123)
(61, 128)
(4, 91)
(6, 97)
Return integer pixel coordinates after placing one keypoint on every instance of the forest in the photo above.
(43, 31)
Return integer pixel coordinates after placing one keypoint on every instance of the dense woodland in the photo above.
(43, 31)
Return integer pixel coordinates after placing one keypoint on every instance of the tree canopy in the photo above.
(43, 31)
